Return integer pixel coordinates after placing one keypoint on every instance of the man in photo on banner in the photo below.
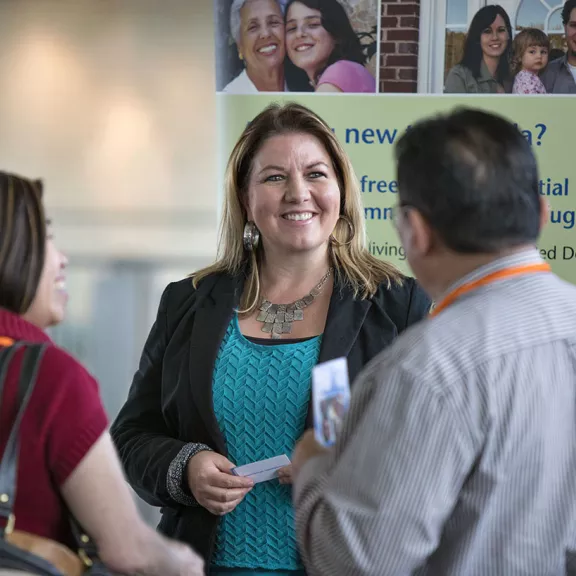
(560, 75)
(458, 453)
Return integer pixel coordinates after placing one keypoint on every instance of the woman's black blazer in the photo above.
(170, 400)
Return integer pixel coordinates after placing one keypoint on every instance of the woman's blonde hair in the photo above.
(353, 263)
(528, 38)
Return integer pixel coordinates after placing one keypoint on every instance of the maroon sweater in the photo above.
(63, 420)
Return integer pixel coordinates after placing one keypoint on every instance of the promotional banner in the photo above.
(403, 63)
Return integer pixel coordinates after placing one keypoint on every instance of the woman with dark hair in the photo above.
(485, 67)
(67, 462)
(320, 40)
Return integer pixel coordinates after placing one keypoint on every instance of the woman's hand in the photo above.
(213, 485)
(285, 474)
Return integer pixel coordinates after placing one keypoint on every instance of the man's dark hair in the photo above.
(569, 5)
(22, 241)
(474, 178)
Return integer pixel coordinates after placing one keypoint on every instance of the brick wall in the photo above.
(399, 45)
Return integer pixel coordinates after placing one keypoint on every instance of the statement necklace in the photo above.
(278, 318)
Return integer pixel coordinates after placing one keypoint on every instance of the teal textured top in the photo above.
(261, 394)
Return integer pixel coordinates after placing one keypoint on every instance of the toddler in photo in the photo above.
(531, 48)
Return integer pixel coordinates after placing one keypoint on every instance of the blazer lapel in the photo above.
(345, 318)
(210, 323)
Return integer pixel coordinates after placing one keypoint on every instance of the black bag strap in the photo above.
(86, 547)
(9, 464)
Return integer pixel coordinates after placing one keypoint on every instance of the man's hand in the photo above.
(285, 474)
(305, 449)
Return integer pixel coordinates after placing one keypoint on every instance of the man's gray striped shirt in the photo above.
(458, 456)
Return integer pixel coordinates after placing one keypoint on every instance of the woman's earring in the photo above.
(240, 56)
(251, 236)
(351, 233)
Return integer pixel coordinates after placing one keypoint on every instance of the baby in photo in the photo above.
(531, 49)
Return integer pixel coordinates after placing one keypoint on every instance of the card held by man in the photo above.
(331, 398)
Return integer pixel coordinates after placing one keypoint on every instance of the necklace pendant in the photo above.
(276, 328)
(262, 315)
(267, 328)
(278, 318)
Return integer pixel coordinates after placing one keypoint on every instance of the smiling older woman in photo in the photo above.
(257, 27)
(321, 41)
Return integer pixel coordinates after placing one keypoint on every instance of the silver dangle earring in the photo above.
(251, 236)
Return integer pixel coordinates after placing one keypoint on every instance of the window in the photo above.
(542, 14)
(456, 27)
(531, 14)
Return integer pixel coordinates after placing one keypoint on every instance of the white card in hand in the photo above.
(331, 398)
(263, 470)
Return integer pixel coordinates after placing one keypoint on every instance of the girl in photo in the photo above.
(321, 41)
(531, 48)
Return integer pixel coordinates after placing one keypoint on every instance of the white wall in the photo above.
(111, 102)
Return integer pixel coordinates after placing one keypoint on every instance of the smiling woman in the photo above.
(225, 377)
(257, 27)
(31, 268)
(485, 65)
(321, 41)
(67, 464)
(276, 200)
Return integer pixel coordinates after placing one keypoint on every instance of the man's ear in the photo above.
(544, 212)
(418, 234)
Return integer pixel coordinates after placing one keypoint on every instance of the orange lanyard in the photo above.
(5, 341)
(489, 279)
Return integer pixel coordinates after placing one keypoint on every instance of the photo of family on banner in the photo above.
(382, 46)
(531, 52)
